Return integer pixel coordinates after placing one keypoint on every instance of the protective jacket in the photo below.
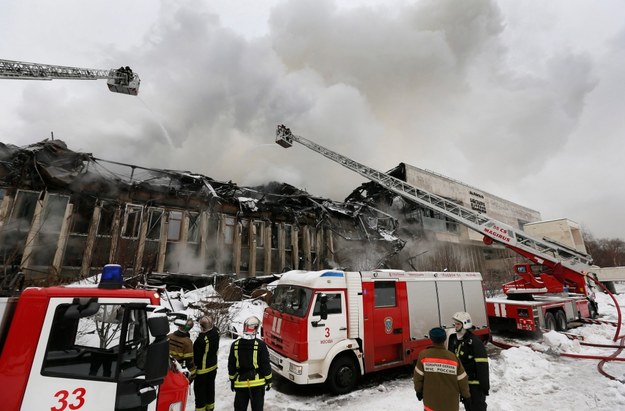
(205, 350)
(181, 349)
(472, 353)
(248, 363)
(440, 378)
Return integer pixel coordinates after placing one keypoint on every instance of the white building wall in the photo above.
(473, 198)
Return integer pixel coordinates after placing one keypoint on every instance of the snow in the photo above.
(537, 376)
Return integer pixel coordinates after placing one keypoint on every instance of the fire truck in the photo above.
(122, 80)
(554, 289)
(91, 348)
(334, 326)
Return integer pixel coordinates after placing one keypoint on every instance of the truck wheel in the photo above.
(550, 322)
(561, 322)
(343, 376)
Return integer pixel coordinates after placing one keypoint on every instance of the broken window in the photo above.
(132, 221)
(155, 216)
(16, 229)
(52, 219)
(193, 235)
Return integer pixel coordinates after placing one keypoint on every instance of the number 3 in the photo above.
(78, 396)
(327, 332)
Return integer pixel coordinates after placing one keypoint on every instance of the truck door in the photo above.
(84, 353)
(325, 333)
(388, 324)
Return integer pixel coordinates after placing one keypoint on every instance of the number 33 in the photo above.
(78, 399)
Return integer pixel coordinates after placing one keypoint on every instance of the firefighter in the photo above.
(439, 378)
(472, 353)
(181, 347)
(248, 368)
(205, 358)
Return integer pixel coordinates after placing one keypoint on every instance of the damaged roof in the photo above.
(51, 165)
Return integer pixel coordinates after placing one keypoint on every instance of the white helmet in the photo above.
(250, 327)
(464, 319)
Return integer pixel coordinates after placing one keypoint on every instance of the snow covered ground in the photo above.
(521, 378)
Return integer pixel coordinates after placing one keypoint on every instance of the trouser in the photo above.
(254, 395)
(477, 402)
(204, 390)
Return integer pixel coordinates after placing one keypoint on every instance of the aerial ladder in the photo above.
(567, 269)
(122, 80)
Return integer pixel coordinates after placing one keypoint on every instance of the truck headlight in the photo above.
(295, 369)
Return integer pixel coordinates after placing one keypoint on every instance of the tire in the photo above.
(343, 376)
(561, 322)
(550, 322)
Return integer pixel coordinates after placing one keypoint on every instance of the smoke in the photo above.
(434, 83)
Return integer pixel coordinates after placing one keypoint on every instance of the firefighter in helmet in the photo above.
(181, 347)
(471, 352)
(248, 368)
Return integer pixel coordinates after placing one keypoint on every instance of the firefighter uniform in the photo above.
(205, 350)
(249, 372)
(439, 378)
(181, 349)
(472, 353)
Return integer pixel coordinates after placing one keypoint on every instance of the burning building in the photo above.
(65, 214)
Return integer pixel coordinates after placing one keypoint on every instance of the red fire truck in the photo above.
(334, 326)
(552, 291)
(87, 348)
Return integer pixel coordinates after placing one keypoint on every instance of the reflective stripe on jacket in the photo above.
(248, 363)
(205, 350)
(439, 375)
(472, 353)
(181, 349)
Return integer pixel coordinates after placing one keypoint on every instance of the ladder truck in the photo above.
(122, 80)
(554, 290)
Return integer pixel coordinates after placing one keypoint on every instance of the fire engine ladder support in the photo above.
(122, 80)
(24, 71)
(537, 250)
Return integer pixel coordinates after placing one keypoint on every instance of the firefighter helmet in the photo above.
(464, 319)
(250, 327)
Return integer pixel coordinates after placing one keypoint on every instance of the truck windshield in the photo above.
(291, 299)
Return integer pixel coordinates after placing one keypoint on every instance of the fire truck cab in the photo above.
(87, 348)
(333, 326)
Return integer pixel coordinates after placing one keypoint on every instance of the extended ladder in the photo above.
(540, 251)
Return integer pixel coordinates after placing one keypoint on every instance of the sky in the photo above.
(519, 99)
(531, 376)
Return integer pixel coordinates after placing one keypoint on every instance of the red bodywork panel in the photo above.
(20, 345)
(387, 331)
(174, 389)
(555, 280)
(286, 334)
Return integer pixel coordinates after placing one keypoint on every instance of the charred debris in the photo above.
(64, 214)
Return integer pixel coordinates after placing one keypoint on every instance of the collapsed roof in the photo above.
(50, 165)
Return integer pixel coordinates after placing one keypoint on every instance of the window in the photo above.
(132, 221)
(385, 294)
(175, 225)
(193, 235)
(109, 343)
(229, 230)
(155, 215)
(333, 303)
(291, 300)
